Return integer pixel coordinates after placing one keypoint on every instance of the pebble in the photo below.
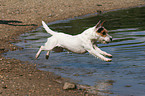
(68, 86)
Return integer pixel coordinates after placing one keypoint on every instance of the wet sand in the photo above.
(20, 16)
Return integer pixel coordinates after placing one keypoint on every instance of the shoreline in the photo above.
(22, 78)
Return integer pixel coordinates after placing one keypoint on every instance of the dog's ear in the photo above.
(98, 24)
(102, 23)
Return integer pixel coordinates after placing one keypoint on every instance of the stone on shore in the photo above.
(68, 86)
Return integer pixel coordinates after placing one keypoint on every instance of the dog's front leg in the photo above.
(101, 52)
(97, 54)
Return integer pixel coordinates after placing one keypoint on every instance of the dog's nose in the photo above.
(111, 39)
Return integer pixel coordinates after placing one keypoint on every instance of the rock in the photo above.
(58, 81)
(68, 86)
(83, 87)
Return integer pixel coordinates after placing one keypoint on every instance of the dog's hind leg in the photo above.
(47, 54)
(39, 51)
(49, 45)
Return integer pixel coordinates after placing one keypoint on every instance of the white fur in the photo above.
(80, 43)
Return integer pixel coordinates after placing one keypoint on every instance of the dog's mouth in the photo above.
(105, 42)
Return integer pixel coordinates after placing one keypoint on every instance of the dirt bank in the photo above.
(20, 16)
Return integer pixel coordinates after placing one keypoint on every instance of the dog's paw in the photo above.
(108, 60)
(47, 56)
(36, 56)
(109, 55)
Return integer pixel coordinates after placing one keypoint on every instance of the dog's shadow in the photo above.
(15, 23)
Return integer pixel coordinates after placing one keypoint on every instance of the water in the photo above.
(124, 76)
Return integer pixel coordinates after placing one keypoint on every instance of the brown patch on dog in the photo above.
(102, 23)
(103, 33)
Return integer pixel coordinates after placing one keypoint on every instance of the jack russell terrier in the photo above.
(80, 43)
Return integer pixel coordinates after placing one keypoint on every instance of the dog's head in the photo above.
(102, 33)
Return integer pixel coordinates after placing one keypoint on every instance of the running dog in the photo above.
(81, 43)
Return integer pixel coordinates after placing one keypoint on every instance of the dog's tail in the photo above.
(47, 28)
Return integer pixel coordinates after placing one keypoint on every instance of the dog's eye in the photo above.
(104, 33)
(100, 29)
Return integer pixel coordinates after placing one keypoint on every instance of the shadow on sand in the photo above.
(15, 23)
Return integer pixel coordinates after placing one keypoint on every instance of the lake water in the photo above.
(124, 76)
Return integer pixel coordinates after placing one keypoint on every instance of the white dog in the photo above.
(80, 43)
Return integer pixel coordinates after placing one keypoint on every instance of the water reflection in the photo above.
(126, 71)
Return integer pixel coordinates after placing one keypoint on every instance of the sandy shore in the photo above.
(20, 16)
